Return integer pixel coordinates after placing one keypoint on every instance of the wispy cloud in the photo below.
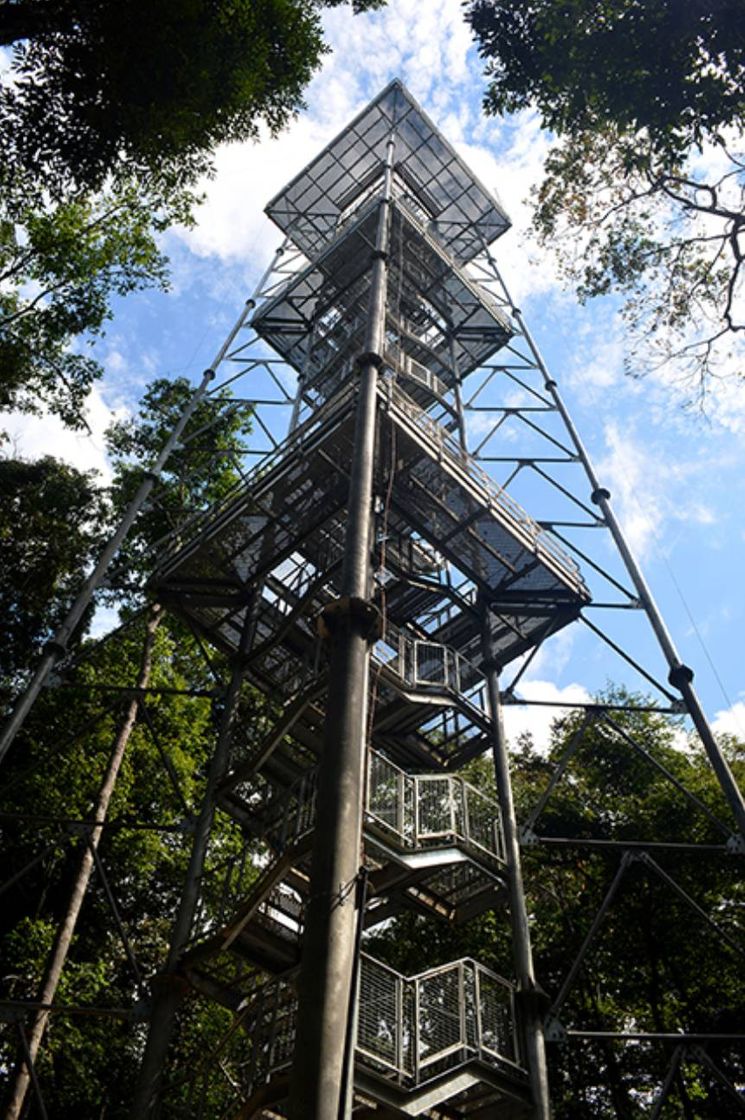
(430, 49)
(652, 488)
(731, 721)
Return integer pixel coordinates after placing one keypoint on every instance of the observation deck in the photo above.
(292, 515)
(440, 326)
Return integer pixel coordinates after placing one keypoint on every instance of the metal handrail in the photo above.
(420, 811)
(410, 1028)
(494, 494)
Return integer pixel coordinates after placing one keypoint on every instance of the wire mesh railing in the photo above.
(410, 1029)
(413, 811)
(414, 1028)
(428, 810)
(425, 667)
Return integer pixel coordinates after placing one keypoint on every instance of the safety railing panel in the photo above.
(409, 1029)
(428, 666)
(424, 810)
(415, 811)
(413, 1028)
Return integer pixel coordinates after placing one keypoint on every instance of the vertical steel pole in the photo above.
(326, 975)
(458, 394)
(679, 675)
(529, 997)
(169, 987)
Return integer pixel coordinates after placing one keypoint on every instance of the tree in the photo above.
(109, 114)
(51, 522)
(644, 192)
(48, 948)
(148, 88)
(199, 473)
(78, 740)
(654, 964)
(60, 267)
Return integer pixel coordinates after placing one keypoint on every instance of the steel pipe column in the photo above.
(326, 998)
(529, 995)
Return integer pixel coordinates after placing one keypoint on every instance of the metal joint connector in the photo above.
(369, 358)
(350, 612)
(554, 1031)
(599, 495)
(679, 676)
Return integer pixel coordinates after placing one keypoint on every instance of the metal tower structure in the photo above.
(420, 524)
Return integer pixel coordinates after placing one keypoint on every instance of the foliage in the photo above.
(148, 89)
(201, 470)
(88, 1062)
(109, 114)
(654, 965)
(53, 774)
(60, 267)
(51, 521)
(644, 193)
(675, 70)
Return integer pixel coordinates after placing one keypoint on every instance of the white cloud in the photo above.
(651, 486)
(730, 721)
(598, 360)
(429, 47)
(553, 654)
(537, 721)
(33, 436)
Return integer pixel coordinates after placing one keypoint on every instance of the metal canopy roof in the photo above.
(461, 212)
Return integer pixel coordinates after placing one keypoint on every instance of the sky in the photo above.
(676, 476)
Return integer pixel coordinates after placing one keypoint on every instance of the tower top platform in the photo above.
(428, 173)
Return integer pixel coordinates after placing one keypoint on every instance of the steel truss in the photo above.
(377, 577)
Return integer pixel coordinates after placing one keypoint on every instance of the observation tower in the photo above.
(417, 524)
(378, 585)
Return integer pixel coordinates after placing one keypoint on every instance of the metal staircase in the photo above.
(447, 540)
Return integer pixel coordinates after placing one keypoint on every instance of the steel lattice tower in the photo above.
(385, 576)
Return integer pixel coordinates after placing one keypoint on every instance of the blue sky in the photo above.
(676, 477)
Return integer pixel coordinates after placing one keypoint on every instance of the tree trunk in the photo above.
(66, 930)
